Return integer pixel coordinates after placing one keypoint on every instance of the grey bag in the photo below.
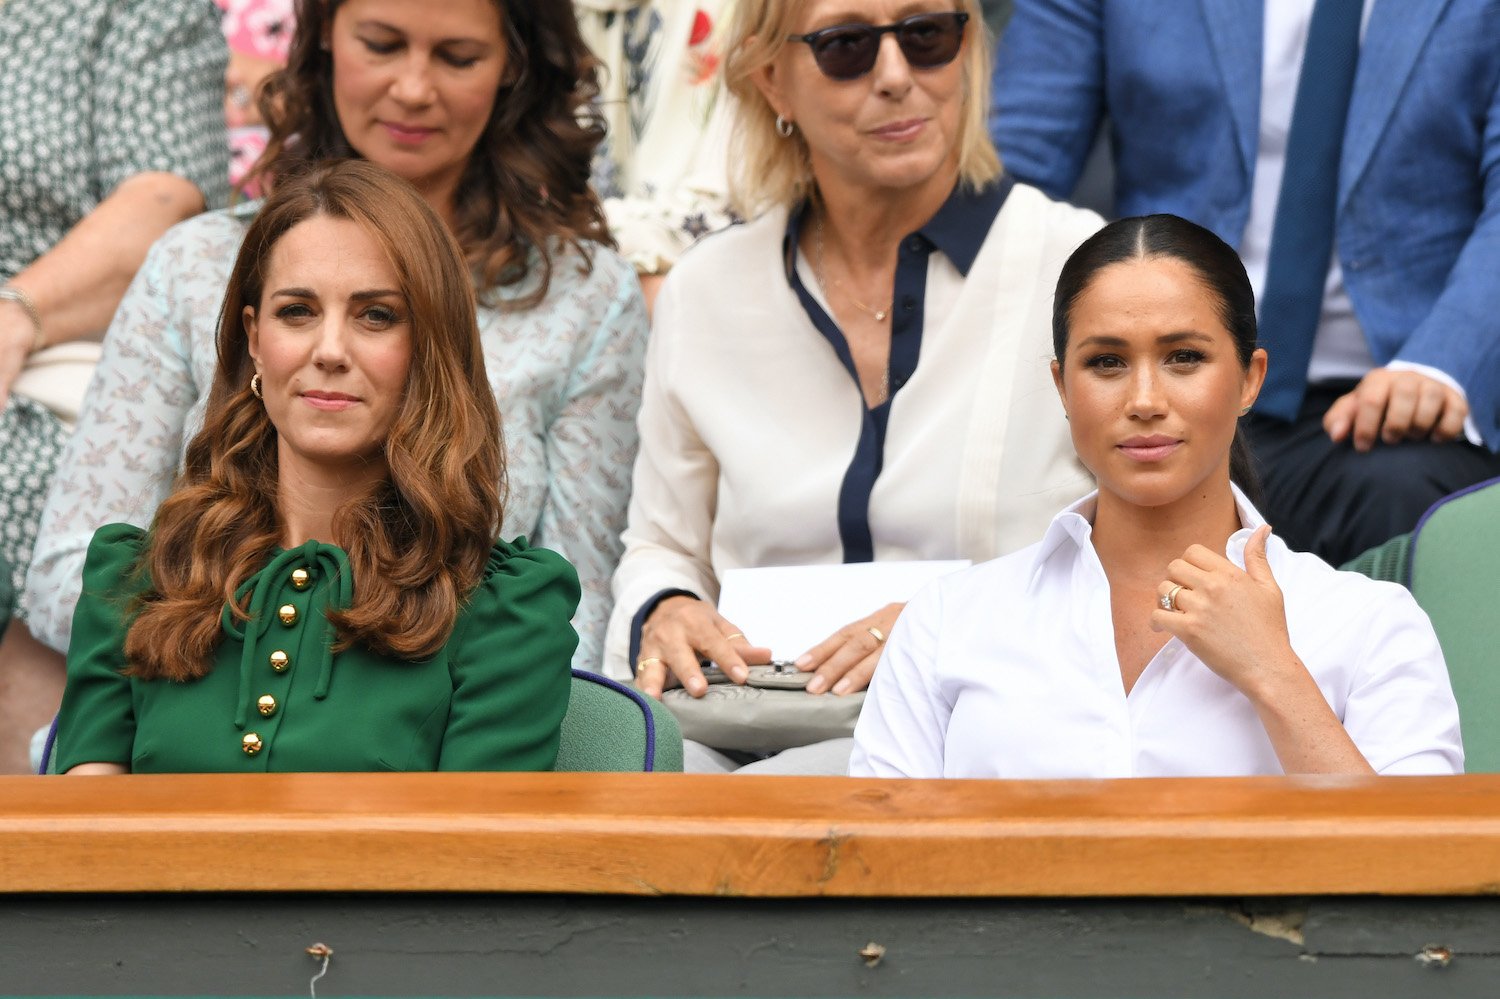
(758, 720)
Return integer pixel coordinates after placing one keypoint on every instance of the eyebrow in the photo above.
(374, 293)
(456, 40)
(1166, 339)
(855, 16)
(358, 296)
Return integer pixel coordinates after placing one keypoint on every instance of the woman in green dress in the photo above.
(323, 589)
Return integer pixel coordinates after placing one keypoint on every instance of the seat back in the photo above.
(1455, 576)
(608, 727)
(612, 727)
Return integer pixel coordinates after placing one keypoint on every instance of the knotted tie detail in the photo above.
(261, 587)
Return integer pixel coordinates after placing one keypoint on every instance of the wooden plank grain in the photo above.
(637, 834)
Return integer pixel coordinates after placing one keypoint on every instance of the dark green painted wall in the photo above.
(599, 946)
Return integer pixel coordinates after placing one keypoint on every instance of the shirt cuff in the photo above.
(639, 621)
(1471, 429)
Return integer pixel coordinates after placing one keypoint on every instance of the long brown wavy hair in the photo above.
(526, 187)
(418, 541)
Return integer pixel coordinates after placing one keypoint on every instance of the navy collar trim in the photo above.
(958, 229)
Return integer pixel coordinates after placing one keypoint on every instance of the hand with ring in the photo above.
(846, 660)
(678, 633)
(1233, 619)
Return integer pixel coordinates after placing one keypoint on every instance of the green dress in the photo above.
(278, 699)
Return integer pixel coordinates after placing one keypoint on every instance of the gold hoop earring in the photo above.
(255, 385)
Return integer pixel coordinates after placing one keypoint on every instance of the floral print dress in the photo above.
(663, 168)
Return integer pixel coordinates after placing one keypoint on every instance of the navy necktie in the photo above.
(1302, 239)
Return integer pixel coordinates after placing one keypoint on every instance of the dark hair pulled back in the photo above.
(1212, 259)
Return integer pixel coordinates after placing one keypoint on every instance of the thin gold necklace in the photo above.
(879, 315)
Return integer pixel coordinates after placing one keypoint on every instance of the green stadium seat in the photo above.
(1451, 563)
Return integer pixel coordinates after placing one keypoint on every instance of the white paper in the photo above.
(793, 608)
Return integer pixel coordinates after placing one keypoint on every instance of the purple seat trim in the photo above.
(640, 701)
(48, 747)
(1416, 532)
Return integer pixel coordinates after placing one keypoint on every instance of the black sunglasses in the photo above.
(849, 51)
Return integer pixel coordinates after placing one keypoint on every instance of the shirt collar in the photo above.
(958, 229)
(1072, 529)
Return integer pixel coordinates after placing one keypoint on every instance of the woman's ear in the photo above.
(252, 333)
(767, 80)
(1057, 381)
(1255, 377)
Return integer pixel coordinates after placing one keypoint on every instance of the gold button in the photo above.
(280, 661)
(300, 578)
(266, 705)
(251, 744)
(288, 615)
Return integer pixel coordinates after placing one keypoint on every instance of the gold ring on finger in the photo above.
(640, 667)
(1169, 599)
(879, 635)
(737, 634)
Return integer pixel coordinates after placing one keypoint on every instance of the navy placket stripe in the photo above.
(958, 230)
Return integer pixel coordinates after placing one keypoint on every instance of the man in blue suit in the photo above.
(1350, 150)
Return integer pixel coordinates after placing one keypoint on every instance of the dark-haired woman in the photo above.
(322, 590)
(476, 103)
(1159, 628)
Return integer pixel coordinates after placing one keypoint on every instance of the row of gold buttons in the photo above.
(252, 743)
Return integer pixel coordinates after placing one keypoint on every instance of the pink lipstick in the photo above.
(1149, 447)
(409, 135)
(330, 401)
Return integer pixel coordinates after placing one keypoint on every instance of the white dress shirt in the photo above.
(1009, 669)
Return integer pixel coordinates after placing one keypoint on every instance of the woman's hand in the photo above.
(1234, 620)
(682, 630)
(847, 658)
(1231, 618)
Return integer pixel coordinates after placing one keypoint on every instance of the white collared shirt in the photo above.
(1009, 669)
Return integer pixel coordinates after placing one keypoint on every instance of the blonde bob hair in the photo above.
(768, 171)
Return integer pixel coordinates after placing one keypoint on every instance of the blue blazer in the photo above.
(1418, 223)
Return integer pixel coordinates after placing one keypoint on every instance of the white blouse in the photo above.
(1009, 669)
(749, 419)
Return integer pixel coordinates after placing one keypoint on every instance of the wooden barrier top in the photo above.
(637, 834)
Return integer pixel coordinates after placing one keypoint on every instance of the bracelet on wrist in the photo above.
(10, 293)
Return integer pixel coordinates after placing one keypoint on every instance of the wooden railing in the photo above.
(743, 836)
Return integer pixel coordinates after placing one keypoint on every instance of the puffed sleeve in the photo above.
(510, 663)
(160, 104)
(97, 721)
(903, 722)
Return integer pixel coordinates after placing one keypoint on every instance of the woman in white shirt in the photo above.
(786, 419)
(1159, 628)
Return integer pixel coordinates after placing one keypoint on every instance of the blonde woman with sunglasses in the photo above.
(860, 372)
